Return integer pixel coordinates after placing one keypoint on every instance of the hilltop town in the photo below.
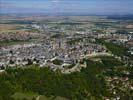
(63, 40)
(71, 44)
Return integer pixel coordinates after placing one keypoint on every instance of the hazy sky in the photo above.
(67, 6)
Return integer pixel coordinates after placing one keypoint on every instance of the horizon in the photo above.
(67, 7)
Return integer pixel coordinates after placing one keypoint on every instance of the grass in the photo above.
(31, 96)
(51, 98)
(21, 96)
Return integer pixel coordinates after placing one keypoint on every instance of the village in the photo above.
(56, 53)
(59, 45)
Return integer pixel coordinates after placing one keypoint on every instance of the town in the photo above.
(70, 44)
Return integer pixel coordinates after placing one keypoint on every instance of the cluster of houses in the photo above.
(54, 53)
(122, 38)
(14, 36)
(119, 86)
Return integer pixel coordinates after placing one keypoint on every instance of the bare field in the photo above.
(130, 26)
(10, 27)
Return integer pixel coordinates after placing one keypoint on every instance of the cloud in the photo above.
(7, 5)
(55, 1)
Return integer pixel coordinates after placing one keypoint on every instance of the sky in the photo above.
(67, 6)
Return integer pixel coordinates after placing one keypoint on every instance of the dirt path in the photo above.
(38, 97)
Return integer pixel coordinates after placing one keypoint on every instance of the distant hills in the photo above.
(121, 17)
(109, 16)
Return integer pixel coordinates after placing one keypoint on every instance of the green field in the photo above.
(116, 49)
